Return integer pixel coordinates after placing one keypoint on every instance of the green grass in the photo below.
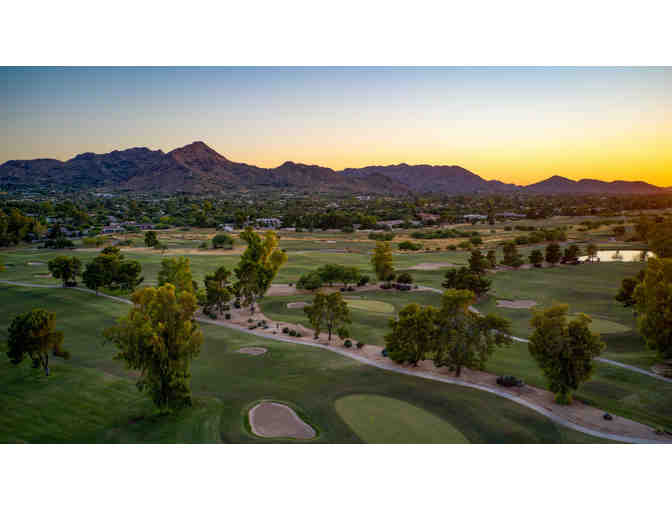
(367, 326)
(369, 305)
(587, 288)
(377, 419)
(92, 398)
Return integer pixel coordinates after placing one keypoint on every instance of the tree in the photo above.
(309, 281)
(564, 350)
(224, 241)
(653, 302)
(329, 311)
(258, 265)
(466, 339)
(177, 271)
(464, 279)
(553, 253)
(626, 294)
(591, 251)
(217, 290)
(65, 268)
(350, 274)
(660, 240)
(94, 275)
(330, 273)
(33, 334)
(477, 262)
(151, 239)
(381, 260)
(536, 258)
(571, 254)
(159, 338)
(413, 334)
(492, 258)
(511, 256)
(128, 275)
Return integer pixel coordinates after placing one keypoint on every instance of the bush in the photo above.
(347, 344)
(408, 245)
(227, 316)
(384, 353)
(404, 278)
(360, 345)
(250, 319)
(285, 330)
(363, 280)
(236, 304)
(509, 381)
(224, 241)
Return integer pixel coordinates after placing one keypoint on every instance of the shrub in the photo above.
(404, 278)
(360, 345)
(285, 330)
(250, 319)
(408, 245)
(509, 381)
(384, 352)
(363, 280)
(227, 316)
(347, 344)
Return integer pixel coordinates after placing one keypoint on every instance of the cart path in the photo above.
(393, 368)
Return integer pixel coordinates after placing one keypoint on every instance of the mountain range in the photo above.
(196, 168)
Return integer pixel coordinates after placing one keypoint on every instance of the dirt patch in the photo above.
(297, 304)
(430, 266)
(518, 304)
(271, 419)
(253, 351)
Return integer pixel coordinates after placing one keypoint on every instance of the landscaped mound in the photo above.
(254, 351)
(271, 419)
(377, 419)
(369, 305)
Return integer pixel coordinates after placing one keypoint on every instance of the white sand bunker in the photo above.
(429, 266)
(270, 419)
(36, 263)
(520, 303)
(297, 304)
(48, 275)
(254, 351)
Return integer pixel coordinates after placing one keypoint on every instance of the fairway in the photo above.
(377, 419)
(369, 305)
(92, 398)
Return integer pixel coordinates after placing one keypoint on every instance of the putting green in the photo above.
(604, 326)
(377, 419)
(370, 306)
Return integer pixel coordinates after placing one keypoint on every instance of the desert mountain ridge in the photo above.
(197, 168)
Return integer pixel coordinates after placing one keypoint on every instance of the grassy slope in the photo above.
(92, 398)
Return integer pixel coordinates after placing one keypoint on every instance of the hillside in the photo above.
(197, 168)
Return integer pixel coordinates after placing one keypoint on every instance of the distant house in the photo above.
(226, 227)
(269, 222)
(112, 229)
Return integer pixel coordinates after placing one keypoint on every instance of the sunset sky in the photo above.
(517, 125)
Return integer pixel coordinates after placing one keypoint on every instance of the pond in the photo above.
(620, 256)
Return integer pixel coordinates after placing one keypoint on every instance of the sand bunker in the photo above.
(48, 275)
(429, 266)
(36, 263)
(520, 303)
(297, 304)
(271, 419)
(254, 351)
